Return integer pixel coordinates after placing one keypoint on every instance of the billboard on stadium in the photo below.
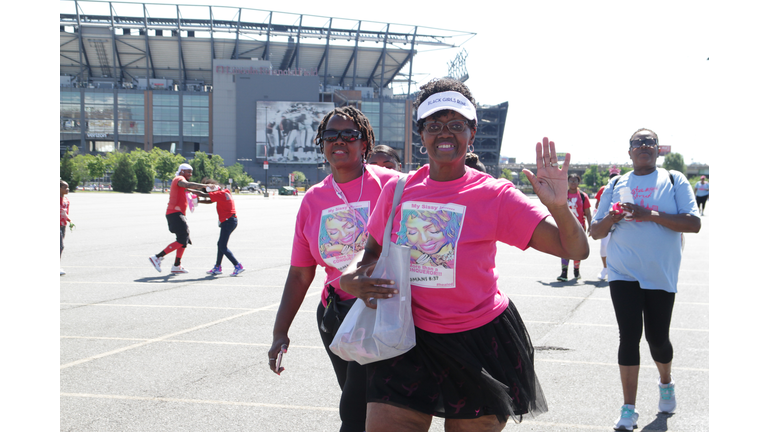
(285, 131)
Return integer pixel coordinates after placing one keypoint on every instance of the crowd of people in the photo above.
(469, 330)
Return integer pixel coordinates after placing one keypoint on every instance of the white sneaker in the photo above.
(628, 419)
(178, 270)
(603, 274)
(155, 262)
(62, 272)
(667, 401)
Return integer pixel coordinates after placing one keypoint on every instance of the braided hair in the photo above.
(439, 85)
(354, 114)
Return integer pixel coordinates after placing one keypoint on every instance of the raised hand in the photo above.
(550, 183)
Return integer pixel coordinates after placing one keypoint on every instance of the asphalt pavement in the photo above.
(148, 351)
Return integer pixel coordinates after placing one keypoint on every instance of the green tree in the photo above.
(674, 161)
(68, 169)
(239, 177)
(145, 173)
(96, 165)
(123, 177)
(166, 164)
(212, 167)
(299, 177)
(506, 173)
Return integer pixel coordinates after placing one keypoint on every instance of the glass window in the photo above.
(169, 100)
(103, 146)
(69, 97)
(196, 114)
(130, 99)
(196, 129)
(69, 110)
(165, 128)
(165, 113)
(99, 112)
(69, 125)
(195, 101)
(129, 127)
(99, 98)
(100, 126)
(130, 112)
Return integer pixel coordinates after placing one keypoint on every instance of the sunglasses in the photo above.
(454, 126)
(639, 142)
(346, 135)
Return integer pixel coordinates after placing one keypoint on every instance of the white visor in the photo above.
(450, 100)
(183, 167)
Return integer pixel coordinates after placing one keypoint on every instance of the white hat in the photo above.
(450, 100)
(182, 167)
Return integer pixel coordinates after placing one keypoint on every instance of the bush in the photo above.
(124, 177)
(68, 170)
(145, 174)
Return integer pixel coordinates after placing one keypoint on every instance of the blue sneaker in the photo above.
(238, 269)
(667, 401)
(628, 419)
(216, 270)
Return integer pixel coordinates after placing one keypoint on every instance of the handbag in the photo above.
(368, 335)
(335, 311)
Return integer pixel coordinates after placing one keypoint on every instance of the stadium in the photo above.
(249, 85)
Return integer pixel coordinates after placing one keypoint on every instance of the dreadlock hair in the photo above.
(350, 113)
(472, 160)
(439, 85)
(644, 129)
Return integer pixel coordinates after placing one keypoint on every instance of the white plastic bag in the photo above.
(368, 335)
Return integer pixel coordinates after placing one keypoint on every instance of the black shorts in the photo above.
(177, 224)
(485, 371)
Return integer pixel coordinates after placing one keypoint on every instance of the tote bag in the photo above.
(368, 335)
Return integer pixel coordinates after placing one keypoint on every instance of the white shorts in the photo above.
(604, 245)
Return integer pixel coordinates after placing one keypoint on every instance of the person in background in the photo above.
(604, 241)
(385, 156)
(225, 207)
(175, 214)
(644, 257)
(64, 219)
(346, 138)
(473, 161)
(473, 359)
(702, 194)
(579, 204)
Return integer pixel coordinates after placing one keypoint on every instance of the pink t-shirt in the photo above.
(452, 229)
(328, 233)
(64, 213)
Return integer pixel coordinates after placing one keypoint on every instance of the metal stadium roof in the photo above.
(122, 41)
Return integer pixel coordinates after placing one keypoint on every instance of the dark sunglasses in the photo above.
(639, 142)
(346, 135)
(454, 126)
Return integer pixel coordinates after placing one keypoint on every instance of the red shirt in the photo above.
(577, 202)
(178, 200)
(64, 214)
(598, 195)
(225, 205)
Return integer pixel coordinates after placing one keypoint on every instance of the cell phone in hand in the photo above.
(283, 350)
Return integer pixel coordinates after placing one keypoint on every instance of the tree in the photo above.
(299, 177)
(166, 163)
(674, 161)
(124, 177)
(506, 173)
(97, 167)
(211, 167)
(145, 173)
(239, 177)
(68, 169)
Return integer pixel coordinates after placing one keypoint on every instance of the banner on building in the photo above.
(665, 150)
(286, 131)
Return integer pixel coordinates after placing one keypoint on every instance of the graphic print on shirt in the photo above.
(342, 233)
(432, 232)
(573, 204)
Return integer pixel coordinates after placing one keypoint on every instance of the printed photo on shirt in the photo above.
(432, 232)
(342, 233)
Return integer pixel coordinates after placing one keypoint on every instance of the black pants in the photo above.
(633, 307)
(227, 227)
(177, 224)
(351, 377)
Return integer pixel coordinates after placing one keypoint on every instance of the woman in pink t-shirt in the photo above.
(473, 359)
(330, 230)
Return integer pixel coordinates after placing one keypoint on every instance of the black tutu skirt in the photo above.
(485, 371)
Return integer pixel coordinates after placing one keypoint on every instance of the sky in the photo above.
(584, 74)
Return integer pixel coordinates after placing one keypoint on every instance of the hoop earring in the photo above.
(423, 150)
(471, 148)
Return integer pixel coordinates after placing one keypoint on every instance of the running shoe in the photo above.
(628, 419)
(178, 269)
(576, 274)
(238, 269)
(156, 262)
(216, 270)
(667, 401)
(603, 275)
(62, 272)
(563, 277)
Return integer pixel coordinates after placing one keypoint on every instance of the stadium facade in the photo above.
(251, 88)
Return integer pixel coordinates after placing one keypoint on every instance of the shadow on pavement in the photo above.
(172, 279)
(659, 424)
